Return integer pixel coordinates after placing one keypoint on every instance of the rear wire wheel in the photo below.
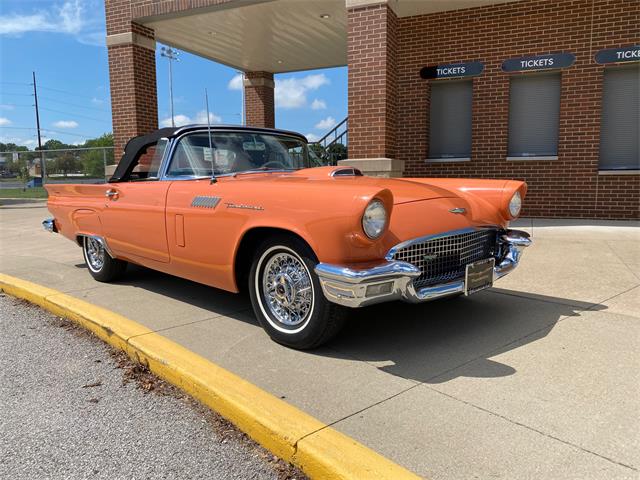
(101, 265)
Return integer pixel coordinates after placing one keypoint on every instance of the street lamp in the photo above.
(171, 55)
(242, 112)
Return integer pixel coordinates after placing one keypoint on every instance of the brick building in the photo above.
(540, 90)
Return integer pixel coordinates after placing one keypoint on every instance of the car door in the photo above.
(201, 232)
(133, 218)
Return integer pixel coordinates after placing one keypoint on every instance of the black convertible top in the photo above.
(138, 144)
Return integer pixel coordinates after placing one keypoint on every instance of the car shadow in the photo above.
(433, 342)
(218, 302)
(439, 341)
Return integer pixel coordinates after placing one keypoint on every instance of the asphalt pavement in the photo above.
(72, 407)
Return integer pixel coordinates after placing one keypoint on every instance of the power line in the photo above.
(65, 92)
(16, 83)
(71, 104)
(73, 114)
(15, 105)
(83, 135)
(17, 94)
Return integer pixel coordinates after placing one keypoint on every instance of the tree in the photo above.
(12, 147)
(54, 144)
(94, 161)
(337, 151)
(67, 163)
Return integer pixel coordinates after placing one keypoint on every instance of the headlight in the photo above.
(374, 219)
(515, 205)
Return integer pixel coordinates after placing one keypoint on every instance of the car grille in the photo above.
(444, 259)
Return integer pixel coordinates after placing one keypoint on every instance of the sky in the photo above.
(64, 43)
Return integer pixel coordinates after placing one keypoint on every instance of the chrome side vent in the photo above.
(346, 172)
(205, 202)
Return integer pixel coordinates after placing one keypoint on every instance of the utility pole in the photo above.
(171, 55)
(43, 167)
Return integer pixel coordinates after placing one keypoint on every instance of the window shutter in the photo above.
(534, 115)
(450, 119)
(620, 127)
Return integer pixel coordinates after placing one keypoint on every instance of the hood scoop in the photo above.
(346, 172)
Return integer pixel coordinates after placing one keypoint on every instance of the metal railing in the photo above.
(334, 145)
(69, 165)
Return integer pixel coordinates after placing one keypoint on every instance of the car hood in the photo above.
(404, 191)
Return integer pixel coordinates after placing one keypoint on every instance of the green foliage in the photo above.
(12, 147)
(36, 192)
(23, 173)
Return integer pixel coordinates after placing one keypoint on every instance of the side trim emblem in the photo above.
(243, 206)
(458, 210)
(205, 202)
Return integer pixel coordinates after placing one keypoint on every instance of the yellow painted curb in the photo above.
(318, 450)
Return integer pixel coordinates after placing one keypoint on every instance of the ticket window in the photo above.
(534, 116)
(620, 120)
(450, 120)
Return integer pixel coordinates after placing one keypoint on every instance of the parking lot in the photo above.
(537, 376)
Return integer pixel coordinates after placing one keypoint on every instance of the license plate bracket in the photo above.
(479, 275)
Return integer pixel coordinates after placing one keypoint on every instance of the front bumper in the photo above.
(393, 279)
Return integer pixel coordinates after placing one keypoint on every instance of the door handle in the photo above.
(111, 194)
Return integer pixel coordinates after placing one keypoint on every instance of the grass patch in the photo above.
(36, 192)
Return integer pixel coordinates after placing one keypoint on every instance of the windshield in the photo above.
(236, 152)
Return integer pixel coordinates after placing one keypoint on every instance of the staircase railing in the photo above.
(334, 145)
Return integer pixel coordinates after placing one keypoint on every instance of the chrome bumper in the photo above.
(49, 225)
(393, 280)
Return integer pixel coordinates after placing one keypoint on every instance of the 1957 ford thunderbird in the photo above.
(249, 208)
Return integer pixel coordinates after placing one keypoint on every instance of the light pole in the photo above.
(241, 73)
(171, 55)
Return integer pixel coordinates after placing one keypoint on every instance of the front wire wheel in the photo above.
(287, 290)
(287, 297)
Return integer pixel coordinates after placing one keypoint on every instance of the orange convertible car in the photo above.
(239, 207)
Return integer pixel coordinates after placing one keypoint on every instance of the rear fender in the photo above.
(86, 222)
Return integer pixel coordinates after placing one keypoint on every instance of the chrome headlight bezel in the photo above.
(374, 219)
(515, 205)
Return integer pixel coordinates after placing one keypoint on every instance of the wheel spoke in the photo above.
(287, 289)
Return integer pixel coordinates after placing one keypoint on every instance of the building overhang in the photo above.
(274, 35)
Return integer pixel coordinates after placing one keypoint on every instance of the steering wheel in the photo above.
(275, 164)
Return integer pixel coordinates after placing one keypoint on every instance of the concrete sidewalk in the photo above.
(539, 376)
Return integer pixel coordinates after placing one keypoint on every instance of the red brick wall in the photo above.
(373, 95)
(567, 187)
(132, 76)
(259, 101)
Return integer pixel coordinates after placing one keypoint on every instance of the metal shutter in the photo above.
(620, 127)
(450, 119)
(534, 114)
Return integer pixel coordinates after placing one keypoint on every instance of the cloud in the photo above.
(235, 83)
(312, 137)
(27, 142)
(6, 106)
(4, 121)
(97, 101)
(318, 104)
(292, 92)
(65, 124)
(326, 123)
(179, 120)
(200, 117)
(68, 19)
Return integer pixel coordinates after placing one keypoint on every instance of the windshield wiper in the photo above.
(263, 170)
